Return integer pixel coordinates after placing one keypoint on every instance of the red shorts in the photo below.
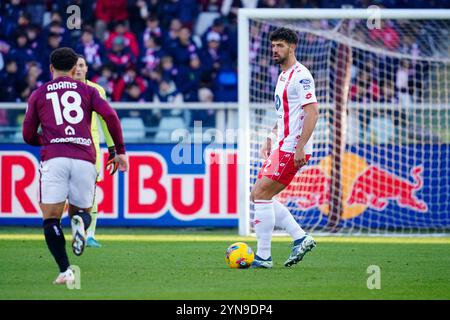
(280, 167)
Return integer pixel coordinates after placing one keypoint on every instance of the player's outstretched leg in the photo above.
(91, 241)
(299, 249)
(285, 220)
(56, 243)
(80, 222)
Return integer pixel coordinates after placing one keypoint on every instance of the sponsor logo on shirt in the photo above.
(75, 140)
(305, 81)
(69, 131)
(306, 87)
(309, 95)
(277, 102)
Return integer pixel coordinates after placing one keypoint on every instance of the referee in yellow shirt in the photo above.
(111, 166)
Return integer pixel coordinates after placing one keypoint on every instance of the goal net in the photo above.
(381, 160)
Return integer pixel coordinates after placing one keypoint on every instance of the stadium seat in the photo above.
(133, 129)
(166, 126)
(18, 138)
(353, 129)
(381, 130)
(205, 20)
(197, 40)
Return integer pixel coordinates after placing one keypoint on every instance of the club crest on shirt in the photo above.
(69, 131)
(277, 102)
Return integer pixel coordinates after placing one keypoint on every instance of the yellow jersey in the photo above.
(94, 127)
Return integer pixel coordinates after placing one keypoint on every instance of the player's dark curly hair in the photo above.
(80, 56)
(284, 34)
(63, 59)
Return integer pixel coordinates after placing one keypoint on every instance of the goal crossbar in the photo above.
(399, 14)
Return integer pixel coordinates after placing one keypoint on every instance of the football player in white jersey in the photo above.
(297, 114)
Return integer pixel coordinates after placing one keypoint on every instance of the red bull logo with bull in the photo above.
(375, 187)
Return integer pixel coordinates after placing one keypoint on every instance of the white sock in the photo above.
(285, 220)
(67, 272)
(264, 224)
(91, 229)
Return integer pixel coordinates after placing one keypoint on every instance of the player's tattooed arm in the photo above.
(267, 146)
(309, 123)
(275, 129)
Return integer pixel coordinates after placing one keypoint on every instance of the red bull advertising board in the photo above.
(383, 187)
(155, 192)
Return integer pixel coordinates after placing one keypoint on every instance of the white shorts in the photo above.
(65, 178)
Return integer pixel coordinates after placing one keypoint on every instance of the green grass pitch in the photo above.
(189, 264)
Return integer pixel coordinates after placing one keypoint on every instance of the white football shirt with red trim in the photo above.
(295, 89)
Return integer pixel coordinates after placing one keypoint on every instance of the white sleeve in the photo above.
(306, 88)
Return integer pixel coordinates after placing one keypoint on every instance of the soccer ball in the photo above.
(239, 255)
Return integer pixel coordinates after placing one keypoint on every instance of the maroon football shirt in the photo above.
(63, 108)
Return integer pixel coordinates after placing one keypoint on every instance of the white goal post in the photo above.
(382, 139)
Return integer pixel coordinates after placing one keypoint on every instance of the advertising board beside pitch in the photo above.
(384, 187)
(155, 192)
(164, 189)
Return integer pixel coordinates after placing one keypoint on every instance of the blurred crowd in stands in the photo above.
(142, 50)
